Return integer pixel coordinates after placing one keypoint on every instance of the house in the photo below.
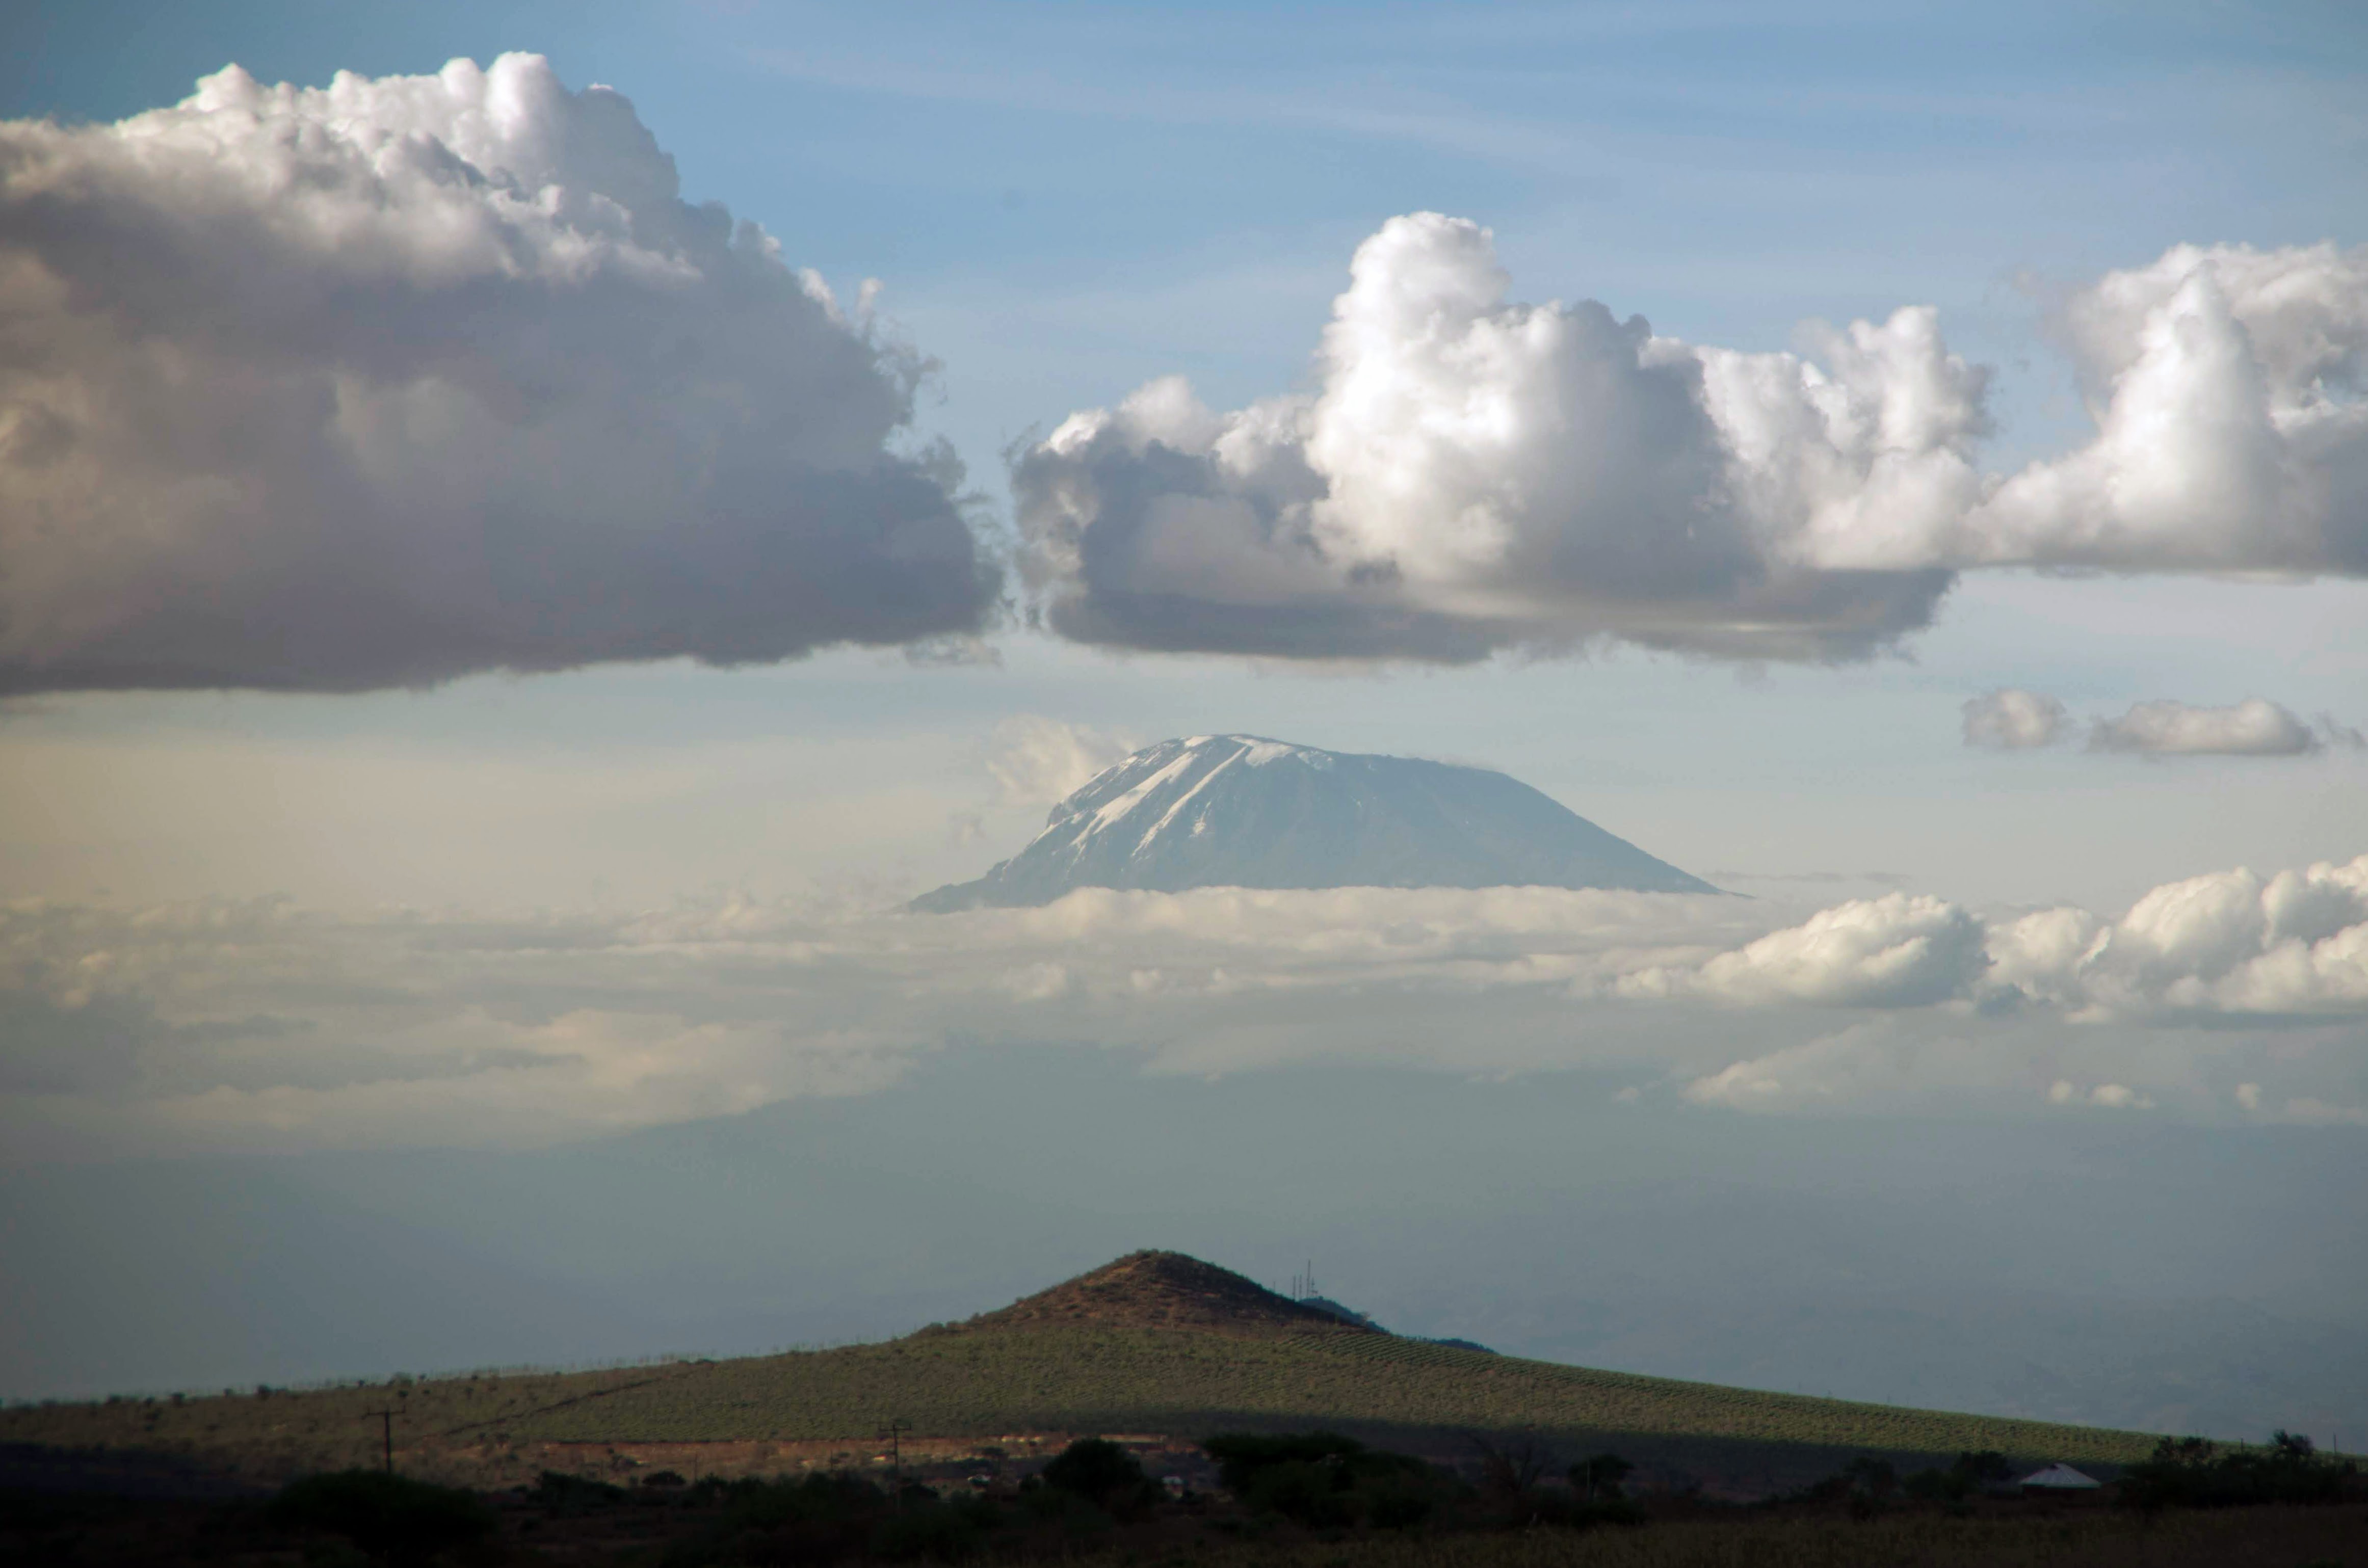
(2060, 1477)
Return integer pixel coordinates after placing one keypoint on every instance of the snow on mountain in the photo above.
(1240, 811)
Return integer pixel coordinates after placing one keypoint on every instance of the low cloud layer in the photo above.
(399, 378)
(1471, 474)
(260, 1026)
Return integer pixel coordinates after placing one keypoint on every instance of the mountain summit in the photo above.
(1240, 811)
(1167, 1289)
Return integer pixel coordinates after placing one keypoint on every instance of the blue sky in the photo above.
(1062, 204)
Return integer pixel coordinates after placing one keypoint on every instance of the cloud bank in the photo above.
(388, 381)
(1472, 473)
(224, 1026)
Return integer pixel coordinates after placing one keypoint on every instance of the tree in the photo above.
(1099, 1471)
(1600, 1477)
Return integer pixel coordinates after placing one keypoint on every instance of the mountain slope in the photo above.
(1238, 811)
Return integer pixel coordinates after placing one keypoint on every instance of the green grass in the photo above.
(979, 1385)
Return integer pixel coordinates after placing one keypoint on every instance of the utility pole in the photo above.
(895, 1432)
(386, 1436)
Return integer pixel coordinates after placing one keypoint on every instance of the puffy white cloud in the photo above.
(1900, 950)
(2226, 385)
(2295, 944)
(2231, 942)
(2255, 727)
(386, 382)
(1473, 473)
(2013, 719)
(1470, 473)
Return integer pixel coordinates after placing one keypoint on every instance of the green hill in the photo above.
(1155, 1343)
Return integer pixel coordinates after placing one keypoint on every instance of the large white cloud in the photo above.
(224, 1026)
(391, 380)
(1470, 473)
(2226, 385)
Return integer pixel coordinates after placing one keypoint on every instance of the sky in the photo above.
(522, 547)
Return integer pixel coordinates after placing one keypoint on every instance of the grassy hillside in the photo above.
(1155, 1344)
(1093, 1378)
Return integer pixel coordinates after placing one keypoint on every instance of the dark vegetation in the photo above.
(387, 1518)
(2191, 1472)
(1288, 1500)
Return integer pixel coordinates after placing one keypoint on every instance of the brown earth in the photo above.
(1161, 1289)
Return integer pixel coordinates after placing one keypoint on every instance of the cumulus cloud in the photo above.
(1470, 473)
(2255, 727)
(2013, 719)
(2295, 944)
(394, 380)
(1900, 950)
(1473, 472)
(2225, 383)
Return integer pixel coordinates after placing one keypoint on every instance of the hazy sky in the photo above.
(508, 576)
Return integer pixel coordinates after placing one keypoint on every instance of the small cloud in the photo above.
(2013, 719)
(2255, 727)
(1035, 761)
(2110, 1096)
(2249, 1096)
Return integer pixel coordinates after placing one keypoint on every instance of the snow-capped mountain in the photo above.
(1237, 810)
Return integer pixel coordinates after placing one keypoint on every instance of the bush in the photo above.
(1324, 1481)
(1972, 1472)
(572, 1494)
(2193, 1472)
(946, 1531)
(385, 1516)
(1101, 1472)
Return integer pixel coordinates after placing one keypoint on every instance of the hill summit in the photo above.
(1242, 811)
(1164, 1289)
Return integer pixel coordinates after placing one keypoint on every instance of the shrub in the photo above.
(386, 1516)
(1099, 1471)
(928, 1528)
(572, 1494)
(2193, 1472)
(1324, 1481)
